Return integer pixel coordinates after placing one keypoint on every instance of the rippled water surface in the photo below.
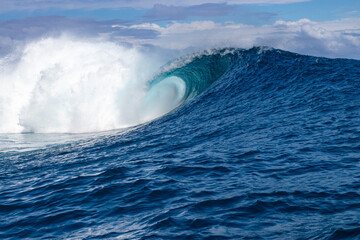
(265, 146)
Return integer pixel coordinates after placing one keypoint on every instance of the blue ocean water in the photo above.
(266, 145)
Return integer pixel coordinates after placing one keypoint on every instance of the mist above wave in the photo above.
(76, 85)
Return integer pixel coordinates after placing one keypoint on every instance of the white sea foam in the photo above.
(72, 85)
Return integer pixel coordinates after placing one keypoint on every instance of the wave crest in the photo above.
(66, 85)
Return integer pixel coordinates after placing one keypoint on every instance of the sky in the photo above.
(329, 28)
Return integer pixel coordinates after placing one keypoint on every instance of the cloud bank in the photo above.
(205, 11)
(340, 38)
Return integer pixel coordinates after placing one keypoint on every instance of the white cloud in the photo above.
(339, 38)
(14, 33)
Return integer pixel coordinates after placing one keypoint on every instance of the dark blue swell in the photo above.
(269, 149)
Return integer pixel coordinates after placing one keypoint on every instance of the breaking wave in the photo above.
(64, 85)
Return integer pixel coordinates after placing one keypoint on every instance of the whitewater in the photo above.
(101, 140)
(67, 85)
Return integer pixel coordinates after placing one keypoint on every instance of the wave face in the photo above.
(73, 86)
(256, 144)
